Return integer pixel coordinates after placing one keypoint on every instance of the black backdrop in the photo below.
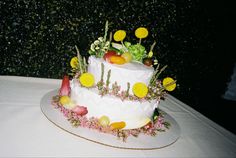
(194, 38)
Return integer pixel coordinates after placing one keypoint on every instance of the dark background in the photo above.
(194, 38)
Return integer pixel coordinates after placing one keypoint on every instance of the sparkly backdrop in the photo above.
(38, 38)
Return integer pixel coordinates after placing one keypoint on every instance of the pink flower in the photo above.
(80, 110)
(65, 86)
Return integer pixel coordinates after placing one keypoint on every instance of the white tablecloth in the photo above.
(25, 131)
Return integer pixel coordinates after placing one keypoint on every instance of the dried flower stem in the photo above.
(79, 60)
(127, 91)
(110, 38)
(106, 30)
(162, 69)
(156, 74)
(108, 78)
(102, 74)
(100, 83)
(153, 45)
(140, 40)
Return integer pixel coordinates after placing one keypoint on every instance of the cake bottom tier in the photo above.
(134, 113)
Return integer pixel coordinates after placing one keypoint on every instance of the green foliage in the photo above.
(138, 52)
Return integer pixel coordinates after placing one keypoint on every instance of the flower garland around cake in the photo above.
(77, 117)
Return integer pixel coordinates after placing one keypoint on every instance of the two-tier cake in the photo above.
(118, 90)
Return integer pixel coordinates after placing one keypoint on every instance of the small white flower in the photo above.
(105, 48)
(96, 42)
(92, 47)
(97, 48)
(107, 43)
(155, 62)
(100, 39)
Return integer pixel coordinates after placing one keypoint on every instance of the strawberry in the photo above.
(65, 86)
(108, 54)
(80, 110)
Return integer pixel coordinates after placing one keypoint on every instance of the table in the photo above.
(25, 131)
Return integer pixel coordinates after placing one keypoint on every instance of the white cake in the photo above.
(116, 90)
(134, 113)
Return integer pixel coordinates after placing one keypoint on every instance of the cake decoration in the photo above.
(117, 90)
(119, 36)
(140, 90)
(87, 79)
(141, 32)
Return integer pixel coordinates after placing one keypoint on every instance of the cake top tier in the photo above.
(132, 72)
(122, 68)
(132, 66)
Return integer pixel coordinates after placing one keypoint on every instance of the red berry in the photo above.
(108, 54)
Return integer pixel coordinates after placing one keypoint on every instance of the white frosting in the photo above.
(132, 72)
(133, 113)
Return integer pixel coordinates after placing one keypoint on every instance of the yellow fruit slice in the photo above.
(127, 56)
(141, 32)
(140, 89)
(65, 100)
(169, 84)
(117, 60)
(87, 79)
(145, 121)
(119, 35)
(74, 62)
(117, 125)
(104, 121)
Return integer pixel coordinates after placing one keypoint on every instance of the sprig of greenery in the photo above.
(108, 78)
(101, 83)
(128, 88)
(106, 30)
(156, 74)
(104, 90)
(81, 62)
(101, 45)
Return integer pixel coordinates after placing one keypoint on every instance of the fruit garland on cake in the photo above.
(116, 53)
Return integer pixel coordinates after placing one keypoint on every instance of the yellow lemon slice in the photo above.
(119, 35)
(140, 89)
(87, 79)
(169, 84)
(117, 125)
(74, 62)
(141, 32)
(64, 100)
